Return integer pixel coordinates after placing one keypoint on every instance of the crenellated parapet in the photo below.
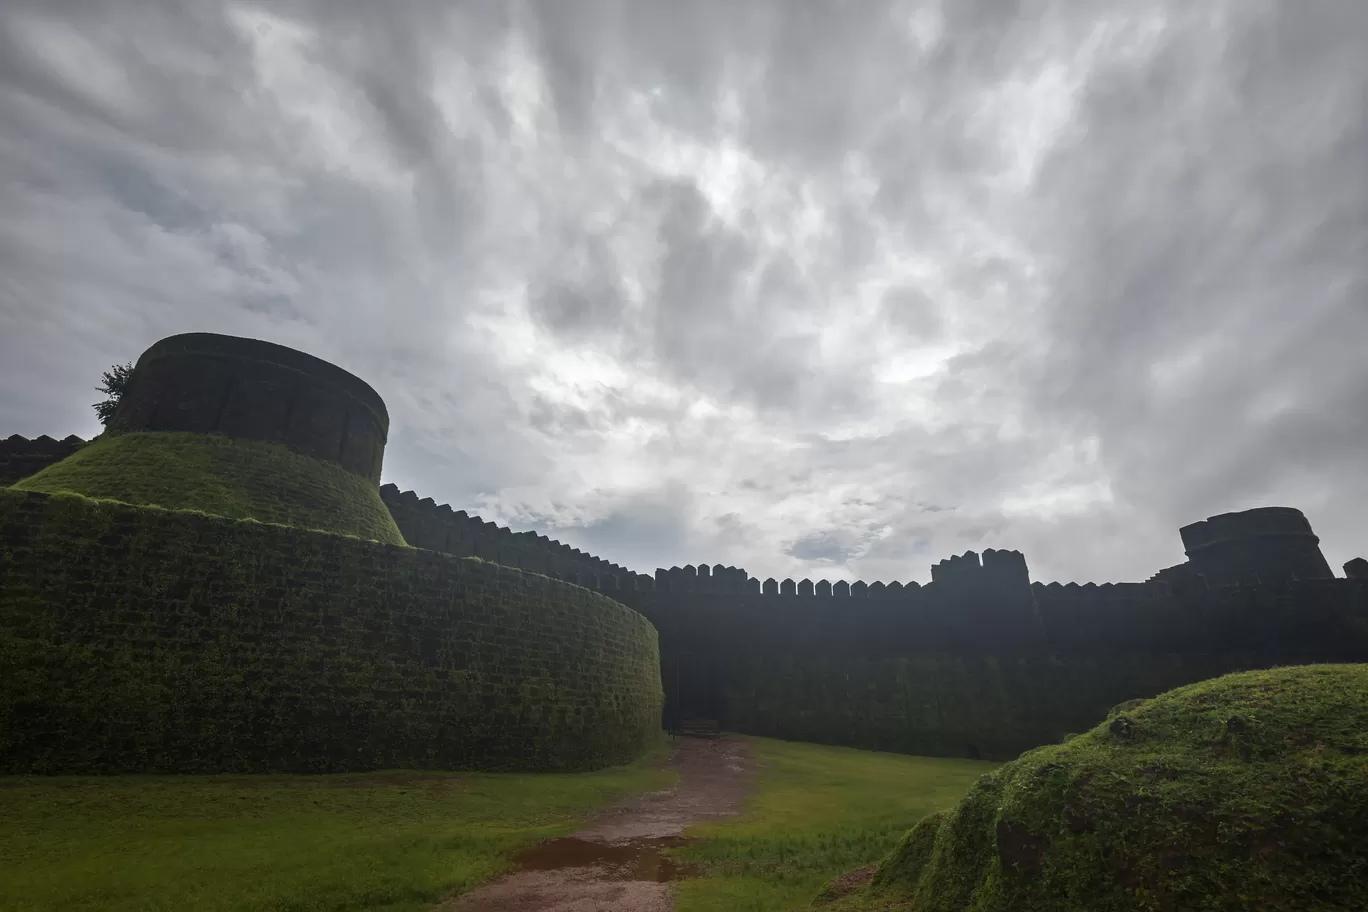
(21, 457)
(701, 578)
(780, 618)
(956, 565)
(437, 527)
(1005, 564)
(995, 567)
(984, 604)
(719, 579)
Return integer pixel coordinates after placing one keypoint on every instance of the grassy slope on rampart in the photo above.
(223, 476)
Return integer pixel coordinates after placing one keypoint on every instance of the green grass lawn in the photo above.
(390, 841)
(817, 812)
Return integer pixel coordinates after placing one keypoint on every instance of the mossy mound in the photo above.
(1249, 791)
(223, 476)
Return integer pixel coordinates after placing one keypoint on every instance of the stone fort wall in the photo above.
(426, 524)
(1257, 574)
(981, 612)
(979, 661)
(135, 639)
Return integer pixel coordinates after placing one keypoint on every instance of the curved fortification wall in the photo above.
(210, 383)
(135, 639)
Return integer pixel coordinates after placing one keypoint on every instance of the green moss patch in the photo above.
(135, 639)
(1249, 791)
(224, 476)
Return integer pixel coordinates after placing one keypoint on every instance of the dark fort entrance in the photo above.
(693, 688)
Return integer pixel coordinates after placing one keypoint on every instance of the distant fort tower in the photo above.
(211, 384)
(1265, 545)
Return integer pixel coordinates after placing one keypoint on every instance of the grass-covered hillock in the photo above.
(224, 476)
(1249, 791)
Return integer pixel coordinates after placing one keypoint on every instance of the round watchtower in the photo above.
(1264, 545)
(243, 429)
(211, 384)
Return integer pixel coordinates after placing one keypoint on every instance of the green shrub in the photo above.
(113, 383)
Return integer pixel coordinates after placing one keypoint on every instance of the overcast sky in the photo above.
(828, 290)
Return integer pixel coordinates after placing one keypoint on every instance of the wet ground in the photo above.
(619, 864)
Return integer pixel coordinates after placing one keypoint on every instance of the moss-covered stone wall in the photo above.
(137, 639)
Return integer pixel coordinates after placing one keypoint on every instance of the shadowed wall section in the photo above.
(980, 661)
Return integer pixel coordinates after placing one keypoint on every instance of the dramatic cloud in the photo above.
(826, 290)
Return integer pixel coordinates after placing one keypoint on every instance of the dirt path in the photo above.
(617, 864)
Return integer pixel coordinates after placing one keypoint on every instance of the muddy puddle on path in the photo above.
(639, 859)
